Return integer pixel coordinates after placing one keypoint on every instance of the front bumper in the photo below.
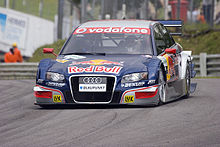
(135, 96)
(46, 95)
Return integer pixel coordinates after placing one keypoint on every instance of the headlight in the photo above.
(56, 77)
(134, 77)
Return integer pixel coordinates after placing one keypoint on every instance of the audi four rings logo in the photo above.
(92, 80)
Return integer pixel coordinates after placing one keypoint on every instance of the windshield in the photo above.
(108, 43)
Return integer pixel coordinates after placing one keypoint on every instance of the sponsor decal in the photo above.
(92, 87)
(129, 99)
(75, 57)
(57, 98)
(98, 69)
(129, 30)
(55, 84)
(136, 84)
(171, 67)
(150, 82)
(40, 81)
(97, 62)
(61, 60)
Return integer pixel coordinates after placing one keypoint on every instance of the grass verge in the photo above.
(38, 54)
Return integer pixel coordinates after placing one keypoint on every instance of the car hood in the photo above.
(100, 64)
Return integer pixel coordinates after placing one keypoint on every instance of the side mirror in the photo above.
(49, 51)
(170, 51)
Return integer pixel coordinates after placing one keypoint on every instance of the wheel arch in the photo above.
(185, 60)
(164, 71)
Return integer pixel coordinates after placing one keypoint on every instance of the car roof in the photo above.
(119, 23)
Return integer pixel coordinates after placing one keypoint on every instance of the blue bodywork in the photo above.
(164, 74)
(129, 64)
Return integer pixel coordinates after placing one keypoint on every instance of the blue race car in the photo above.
(133, 62)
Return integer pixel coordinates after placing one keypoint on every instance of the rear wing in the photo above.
(174, 26)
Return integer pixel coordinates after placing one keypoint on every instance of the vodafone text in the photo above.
(112, 30)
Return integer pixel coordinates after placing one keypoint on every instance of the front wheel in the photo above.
(161, 88)
(187, 82)
(46, 106)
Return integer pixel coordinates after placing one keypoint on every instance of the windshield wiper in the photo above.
(78, 53)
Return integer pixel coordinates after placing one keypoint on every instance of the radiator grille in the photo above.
(83, 97)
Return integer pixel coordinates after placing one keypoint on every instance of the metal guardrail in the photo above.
(18, 71)
(205, 66)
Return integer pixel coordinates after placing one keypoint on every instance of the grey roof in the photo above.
(118, 23)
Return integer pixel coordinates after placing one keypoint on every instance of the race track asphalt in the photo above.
(186, 122)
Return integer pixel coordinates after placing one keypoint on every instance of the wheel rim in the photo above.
(162, 93)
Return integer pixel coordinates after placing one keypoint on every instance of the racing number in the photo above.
(57, 98)
(129, 99)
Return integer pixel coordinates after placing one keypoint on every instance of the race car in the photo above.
(133, 62)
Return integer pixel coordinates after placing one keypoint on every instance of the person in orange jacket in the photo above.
(17, 52)
(10, 56)
(201, 18)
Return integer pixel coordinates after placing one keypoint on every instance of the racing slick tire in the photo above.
(187, 81)
(161, 88)
(45, 106)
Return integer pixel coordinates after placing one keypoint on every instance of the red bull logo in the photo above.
(96, 69)
(97, 62)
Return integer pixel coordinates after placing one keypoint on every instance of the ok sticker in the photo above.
(129, 99)
(57, 98)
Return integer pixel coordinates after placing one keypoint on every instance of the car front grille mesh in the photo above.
(83, 97)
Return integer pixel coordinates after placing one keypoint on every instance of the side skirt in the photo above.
(175, 90)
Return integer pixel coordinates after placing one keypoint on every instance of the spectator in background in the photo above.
(207, 10)
(217, 21)
(195, 14)
(10, 56)
(201, 18)
(17, 52)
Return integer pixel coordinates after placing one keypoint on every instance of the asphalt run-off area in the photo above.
(186, 122)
